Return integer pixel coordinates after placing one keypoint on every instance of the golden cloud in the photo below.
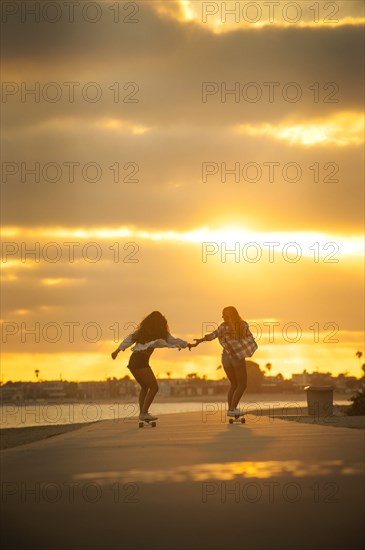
(342, 130)
(225, 17)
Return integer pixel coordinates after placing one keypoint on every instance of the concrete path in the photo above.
(192, 483)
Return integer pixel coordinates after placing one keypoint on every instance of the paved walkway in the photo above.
(192, 483)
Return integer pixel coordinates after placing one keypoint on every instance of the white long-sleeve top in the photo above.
(170, 342)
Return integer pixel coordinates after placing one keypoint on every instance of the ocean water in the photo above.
(48, 414)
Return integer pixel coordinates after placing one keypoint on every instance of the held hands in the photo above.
(190, 346)
(197, 342)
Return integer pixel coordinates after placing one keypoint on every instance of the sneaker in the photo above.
(147, 416)
(235, 412)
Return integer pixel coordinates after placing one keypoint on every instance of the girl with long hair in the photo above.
(238, 343)
(153, 332)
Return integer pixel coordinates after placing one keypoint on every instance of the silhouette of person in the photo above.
(153, 332)
(238, 343)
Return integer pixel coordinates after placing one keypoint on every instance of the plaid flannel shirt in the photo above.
(238, 349)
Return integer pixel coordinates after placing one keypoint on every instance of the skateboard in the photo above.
(237, 418)
(151, 423)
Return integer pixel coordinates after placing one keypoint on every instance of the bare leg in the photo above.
(144, 388)
(230, 372)
(148, 381)
(241, 376)
(142, 398)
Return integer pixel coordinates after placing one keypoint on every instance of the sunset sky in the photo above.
(163, 135)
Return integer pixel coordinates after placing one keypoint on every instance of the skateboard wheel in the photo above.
(153, 424)
(231, 420)
(141, 424)
(243, 420)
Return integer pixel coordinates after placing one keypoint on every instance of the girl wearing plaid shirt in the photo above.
(238, 343)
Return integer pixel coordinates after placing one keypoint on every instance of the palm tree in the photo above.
(358, 354)
(268, 367)
(168, 374)
(36, 372)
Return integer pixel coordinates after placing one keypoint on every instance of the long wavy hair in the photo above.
(152, 327)
(235, 322)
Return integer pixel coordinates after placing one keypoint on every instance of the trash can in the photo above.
(320, 401)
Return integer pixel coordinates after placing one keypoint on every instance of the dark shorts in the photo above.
(139, 360)
(229, 361)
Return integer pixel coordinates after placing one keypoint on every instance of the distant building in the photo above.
(301, 380)
(53, 390)
(11, 394)
(93, 390)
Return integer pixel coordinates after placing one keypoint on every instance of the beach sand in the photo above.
(13, 437)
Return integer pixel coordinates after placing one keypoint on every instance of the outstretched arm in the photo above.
(176, 342)
(205, 338)
(127, 342)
